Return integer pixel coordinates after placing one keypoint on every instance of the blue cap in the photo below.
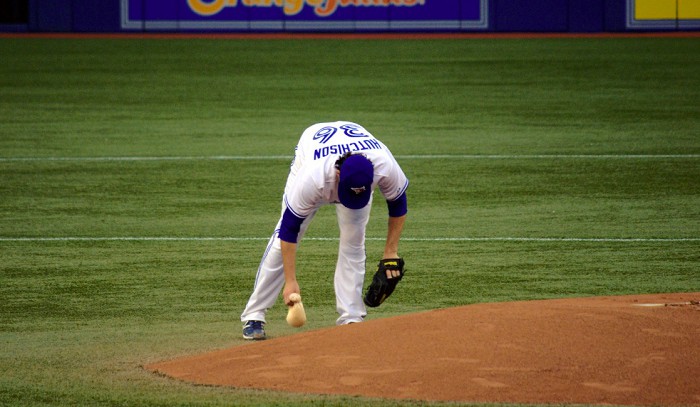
(355, 184)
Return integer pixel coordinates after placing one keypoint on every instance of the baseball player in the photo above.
(338, 163)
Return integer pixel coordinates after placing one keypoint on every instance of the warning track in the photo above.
(350, 36)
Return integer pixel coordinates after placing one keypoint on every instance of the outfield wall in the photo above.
(358, 15)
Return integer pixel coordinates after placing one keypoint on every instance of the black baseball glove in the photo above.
(381, 287)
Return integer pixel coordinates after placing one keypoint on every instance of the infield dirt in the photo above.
(630, 350)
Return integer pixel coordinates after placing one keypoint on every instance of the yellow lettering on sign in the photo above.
(209, 8)
(328, 7)
(293, 7)
(322, 8)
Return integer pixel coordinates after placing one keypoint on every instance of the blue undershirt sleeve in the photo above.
(291, 224)
(398, 207)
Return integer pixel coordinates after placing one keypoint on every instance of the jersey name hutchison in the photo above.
(341, 149)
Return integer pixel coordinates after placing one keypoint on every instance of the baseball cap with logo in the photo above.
(355, 184)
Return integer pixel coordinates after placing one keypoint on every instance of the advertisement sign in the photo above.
(304, 15)
(663, 14)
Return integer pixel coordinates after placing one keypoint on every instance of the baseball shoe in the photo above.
(254, 330)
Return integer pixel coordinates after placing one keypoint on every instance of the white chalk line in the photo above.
(400, 157)
(335, 239)
(144, 158)
(549, 156)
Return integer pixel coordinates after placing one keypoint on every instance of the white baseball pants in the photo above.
(349, 270)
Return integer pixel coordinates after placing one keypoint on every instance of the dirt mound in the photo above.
(641, 350)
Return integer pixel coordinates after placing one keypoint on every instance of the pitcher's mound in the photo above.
(634, 350)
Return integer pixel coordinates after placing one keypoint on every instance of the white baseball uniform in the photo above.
(311, 183)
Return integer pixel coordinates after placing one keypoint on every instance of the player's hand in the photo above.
(392, 273)
(290, 288)
(382, 285)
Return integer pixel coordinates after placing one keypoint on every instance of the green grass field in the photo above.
(141, 179)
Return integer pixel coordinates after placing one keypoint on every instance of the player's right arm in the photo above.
(288, 234)
(289, 254)
(300, 198)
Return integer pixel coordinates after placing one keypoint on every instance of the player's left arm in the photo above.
(390, 269)
(398, 209)
(391, 249)
(393, 184)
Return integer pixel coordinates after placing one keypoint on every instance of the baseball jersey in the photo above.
(312, 177)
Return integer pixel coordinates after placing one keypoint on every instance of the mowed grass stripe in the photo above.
(376, 239)
(407, 157)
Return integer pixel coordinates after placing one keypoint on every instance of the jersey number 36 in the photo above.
(327, 132)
